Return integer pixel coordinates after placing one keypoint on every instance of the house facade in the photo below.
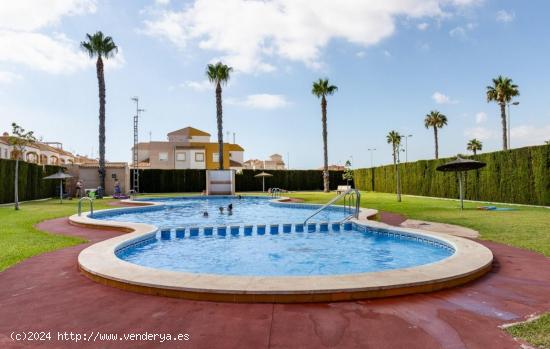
(275, 162)
(188, 148)
(37, 153)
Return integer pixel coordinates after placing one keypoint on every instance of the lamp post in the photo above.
(407, 148)
(509, 124)
(371, 150)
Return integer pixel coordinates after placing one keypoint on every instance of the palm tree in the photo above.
(502, 91)
(436, 120)
(321, 89)
(218, 74)
(394, 138)
(474, 145)
(19, 140)
(100, 46)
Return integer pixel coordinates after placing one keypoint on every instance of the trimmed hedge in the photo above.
(519, 176)
(31, 184)
(167, 181)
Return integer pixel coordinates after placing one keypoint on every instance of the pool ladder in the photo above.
(352, 203)
(80, 205)
(276, 192)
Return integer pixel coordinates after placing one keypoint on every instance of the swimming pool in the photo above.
(188, 212)
(263, 253)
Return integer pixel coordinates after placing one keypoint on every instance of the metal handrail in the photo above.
(80, 205)
(276, 193)
(352, 202)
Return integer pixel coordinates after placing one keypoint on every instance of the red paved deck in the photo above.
(47, 293)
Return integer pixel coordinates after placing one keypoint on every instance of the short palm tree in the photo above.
(474, 145)
(321, 89)
(394, 138)
(436, 120)
(100, 46)
(502, 92)
(219, 74)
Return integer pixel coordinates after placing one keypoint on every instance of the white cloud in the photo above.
(23, 42)
(505, 16)
(458, 32)
(7, 77)
(200, 86)
(441, 98)
(481, 133)
(260, 101)
(529, 135)
(481, 117)
(29, 15)
(53, 54)
(361, 54)
(422, 26)
(249, 33)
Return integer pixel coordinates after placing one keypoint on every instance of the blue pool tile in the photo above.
(311, 227)
(222, 230)
(234, 230)
(248, 229)
(194, 231)
(335, 226)
(208, 231)
(287, 228)
(299, 228)
(180, 233)
(260, 229)
(165, 234)
(348, 226)
(274, 229)
(323, 227)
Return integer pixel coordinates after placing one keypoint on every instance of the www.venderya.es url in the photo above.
(93, 336)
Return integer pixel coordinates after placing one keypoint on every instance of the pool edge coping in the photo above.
(99, 262)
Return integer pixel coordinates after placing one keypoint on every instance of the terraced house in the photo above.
(188, 148)
(41, 153)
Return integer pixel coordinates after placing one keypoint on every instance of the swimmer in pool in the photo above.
(205, 214)
(221, 209)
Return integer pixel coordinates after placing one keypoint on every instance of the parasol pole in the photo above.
(61, 190)
(263, 184)
(460, 184)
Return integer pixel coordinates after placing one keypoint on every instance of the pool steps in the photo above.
(260, 229)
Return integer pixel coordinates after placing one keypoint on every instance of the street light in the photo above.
(407, 148)
(509, 125)
(371, 150)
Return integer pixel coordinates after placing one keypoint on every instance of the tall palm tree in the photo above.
(321, 89)
(102, 47)
(502, 91)
(394, 138)
(474, 145)
(436, 120)
(219, 74)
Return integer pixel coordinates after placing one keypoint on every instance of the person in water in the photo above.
(230, 209)
(221, 209)
(205, 214)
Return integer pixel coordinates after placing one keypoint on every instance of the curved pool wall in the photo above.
(100, 262)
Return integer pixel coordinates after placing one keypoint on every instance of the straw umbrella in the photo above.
(61, 176)
(263, 175)
(460, 166)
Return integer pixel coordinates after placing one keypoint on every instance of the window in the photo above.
(180, 156)
(163, 156)
(215, 157)
(199, 157)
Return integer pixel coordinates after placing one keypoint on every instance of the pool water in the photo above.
(289, 254)
(359, 250)
(185, 212)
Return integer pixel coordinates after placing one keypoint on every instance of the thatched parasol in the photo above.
(460, 166)
(263, 175)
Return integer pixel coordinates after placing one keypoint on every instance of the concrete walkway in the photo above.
(47, 293)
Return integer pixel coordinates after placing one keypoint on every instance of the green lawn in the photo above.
(19, 239)
(526, 227)
(535, 332)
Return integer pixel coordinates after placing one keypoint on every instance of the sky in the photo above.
(393, 62)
